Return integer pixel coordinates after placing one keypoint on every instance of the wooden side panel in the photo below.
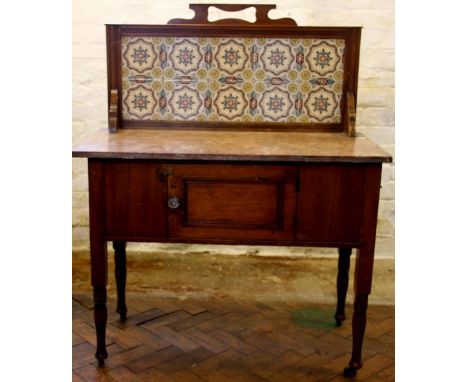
(330, 202)
(233, 202)
(135, 198)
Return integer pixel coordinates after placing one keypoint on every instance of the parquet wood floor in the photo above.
(171, 340)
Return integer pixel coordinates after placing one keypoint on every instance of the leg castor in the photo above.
(359, 325)
(352, 369)
(339, 318)
(100, 358)
(100, 320)
(349, 372)
(123, 314)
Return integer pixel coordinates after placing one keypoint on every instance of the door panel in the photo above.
(232, 202)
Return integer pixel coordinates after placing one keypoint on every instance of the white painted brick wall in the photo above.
(375, 115)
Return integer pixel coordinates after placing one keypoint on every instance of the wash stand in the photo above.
(232, 132)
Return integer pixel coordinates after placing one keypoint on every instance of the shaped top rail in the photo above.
(261, 12)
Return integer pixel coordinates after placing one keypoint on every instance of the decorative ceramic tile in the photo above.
(232, 79)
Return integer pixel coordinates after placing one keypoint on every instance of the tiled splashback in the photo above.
(232, 79)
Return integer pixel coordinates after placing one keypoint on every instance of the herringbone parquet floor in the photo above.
(170, 340)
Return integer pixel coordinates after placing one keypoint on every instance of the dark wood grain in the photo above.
(114, 69)
(233, 201)
(120, 271)
(216, 202)
(330, 202)
(336, 205)
(364, 264)
(350, 114)
(96, 223)
(342, 283)
(351, 62)
(233, 126)
(98, 247)
(113, 110)
(135, 199)
(365, 251)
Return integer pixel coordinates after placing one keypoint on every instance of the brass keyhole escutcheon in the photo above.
(173, 202)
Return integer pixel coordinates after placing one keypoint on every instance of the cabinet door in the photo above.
(135, 195)
(232, 202)
(330, 203)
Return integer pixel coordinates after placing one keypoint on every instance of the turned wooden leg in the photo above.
(98, 253)
(342, 283)
(100, 320)
(364, 265)
(362, 289)
(120, 276)
(359, 327)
